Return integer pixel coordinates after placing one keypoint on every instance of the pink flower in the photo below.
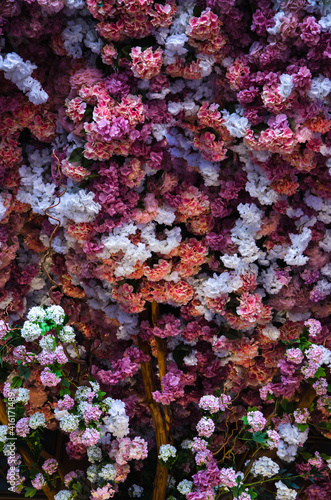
(146, 64)
(210, 403)
(50, 466)
(91, 413)
(205, 427)
(22, 427)
(38, 482)
(294, 355)
(256, 420)
(48, 378)
(90, 437)
(314, 326)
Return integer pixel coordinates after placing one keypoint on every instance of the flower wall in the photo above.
(165, 168)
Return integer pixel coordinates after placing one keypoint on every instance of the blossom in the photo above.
(284, 493)
(205, 427)
(256, 420)
(265, 467)
(37, 420)
(167, 451)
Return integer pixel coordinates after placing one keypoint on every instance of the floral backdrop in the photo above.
(165, 238)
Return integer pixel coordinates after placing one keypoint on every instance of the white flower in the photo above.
(184, 486)
(78, 206)
(63, 495)
(136, 491)
(69, 423)
(23, 396)
(186, 444)
(19, 72)
(36, 314)
(56, 314)
(3, 433)
(30, 331)
(271, 332)
(166, 451)
(300, 242)
(48, 343)
(92, 473)
(286, 85)
(292, 435)
(108, 472)
(237, 125)
(82, 392)
(37, 420)
(67, 334)
(265, 467)
(94, 454)
(284, 493)
(320, 88)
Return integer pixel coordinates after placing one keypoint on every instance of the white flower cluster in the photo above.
(48, 343)
(63, 495)
(56, 314)
(82, 392)
(92, 473)
(294, 255)
(3, 433)
(118, 241)
(284, 493)
(19, 72)
(265, 467)
(36, 314)
(117, 422)
(286, 85)
(37, 420)
(69, 423)
(22, 395)
(30, 331)
(271, 332)
(94, 454)
(3, 208)
(236, 125)
(184, 486)
(80, 33)
(77, 205)
(245, 231)
(34, 189)
(320, 88)
(67, 334)
(136, 491)
(291, 439)
(108, 472)
(167, 451)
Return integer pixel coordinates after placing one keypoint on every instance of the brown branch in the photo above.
(162, 368)
(161, 476)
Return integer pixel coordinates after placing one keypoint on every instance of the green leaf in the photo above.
(65, 382)
(320, 373)
(30, 492)
(302, 427)
(260, 437)
(16, 382)
(76, 155)
(63, 392)
(24, 371)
